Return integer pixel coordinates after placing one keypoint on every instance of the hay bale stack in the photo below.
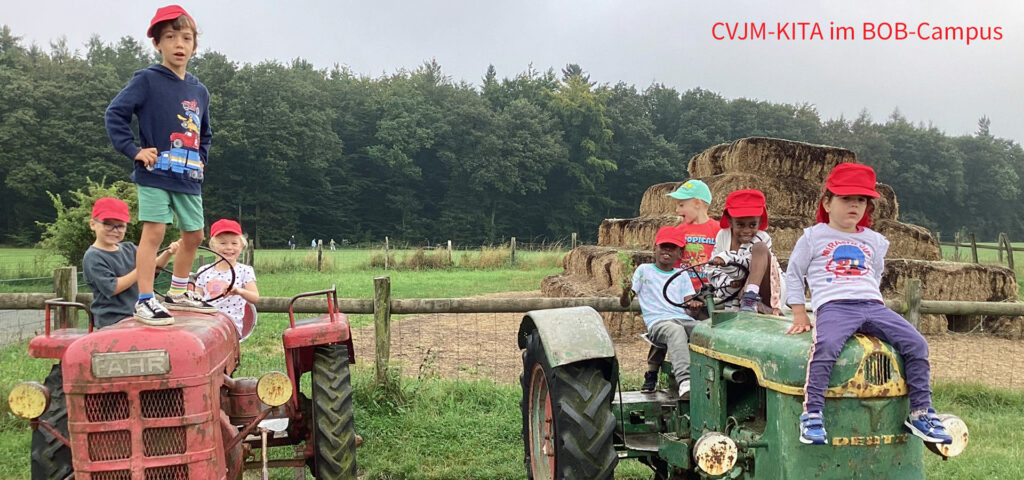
(908, 241)
(636, 233)
(593, 271)
(769, 157)
(956, 281)
(790, 196)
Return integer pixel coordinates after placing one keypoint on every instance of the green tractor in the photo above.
(741, 420)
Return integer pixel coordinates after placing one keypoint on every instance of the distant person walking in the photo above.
(291, 243)
(312, 245)
(332, 245)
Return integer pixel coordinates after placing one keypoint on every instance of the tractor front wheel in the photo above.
(333, 420)
(568, 425)
(51, 459)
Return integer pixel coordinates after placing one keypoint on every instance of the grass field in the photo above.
(438, 429)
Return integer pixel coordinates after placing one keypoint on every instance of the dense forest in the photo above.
(329, 153)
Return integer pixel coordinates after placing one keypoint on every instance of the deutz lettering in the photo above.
(130, 364)
(870, 440)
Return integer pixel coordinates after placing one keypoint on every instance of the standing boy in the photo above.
(172, 108)
(666, 323)
(108, 266)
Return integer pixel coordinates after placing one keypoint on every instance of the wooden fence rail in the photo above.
(382, 306)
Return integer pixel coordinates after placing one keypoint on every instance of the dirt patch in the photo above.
(483, 346)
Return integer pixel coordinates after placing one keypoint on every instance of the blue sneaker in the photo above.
(749, 301)
(928, 427)
(812, 429)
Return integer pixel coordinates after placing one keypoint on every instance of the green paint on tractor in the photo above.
(746, 396)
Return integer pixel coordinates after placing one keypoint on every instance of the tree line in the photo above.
(328, 153)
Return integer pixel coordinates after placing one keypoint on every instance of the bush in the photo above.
(377, 260)
(488, 258)
(69, 235)
(420, 260)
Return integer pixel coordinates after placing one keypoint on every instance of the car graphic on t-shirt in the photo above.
(847, 261)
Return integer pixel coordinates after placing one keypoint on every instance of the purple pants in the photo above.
(837, 321)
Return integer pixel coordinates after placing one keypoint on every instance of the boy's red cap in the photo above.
(850, 179)
(108, 208)
(745, 203)
(225, 226)
(169, 12)
(669, 235)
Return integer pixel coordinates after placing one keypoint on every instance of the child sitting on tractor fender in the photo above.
(108, 266)
(227, 240)
(666, 323)
(843, 261)
(743, 241)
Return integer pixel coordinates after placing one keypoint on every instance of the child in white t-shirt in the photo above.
(227, 240)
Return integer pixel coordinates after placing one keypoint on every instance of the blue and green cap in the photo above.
(692, 189)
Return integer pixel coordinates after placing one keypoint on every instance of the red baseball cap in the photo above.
(108, 208)
(850, 179)
(163, 14)
(225, 226)
(669, 235)
(745, 203)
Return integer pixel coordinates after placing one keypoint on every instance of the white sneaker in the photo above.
(189, 301)
(684, 390)
(151, 312)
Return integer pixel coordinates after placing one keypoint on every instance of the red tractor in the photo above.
(132, 401)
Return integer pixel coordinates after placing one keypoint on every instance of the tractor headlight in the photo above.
(29, 400)
(956, 429)
(715, 453)
(274, 389)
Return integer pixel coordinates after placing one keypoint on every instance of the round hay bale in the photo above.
(950, 280)
(908, 241)
(784, 195)
(956, 281)
(635, 233)
(770, 157)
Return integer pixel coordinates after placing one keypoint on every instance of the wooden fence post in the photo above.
(1009, 249)
(65, 285)
(512, 245)
(382, 327)
(573, 241)
(913, 291)
(999, 248)
(956, 246)
(387, 253)
(974, 248)
(450, 253)
(319, 254)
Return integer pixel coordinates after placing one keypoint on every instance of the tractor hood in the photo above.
(195, 345)
(867, 367)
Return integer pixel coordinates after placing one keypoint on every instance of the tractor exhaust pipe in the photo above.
(736, 375)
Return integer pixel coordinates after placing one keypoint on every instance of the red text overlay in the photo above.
(731, 31)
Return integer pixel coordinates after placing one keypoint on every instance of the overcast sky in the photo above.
(944, 82)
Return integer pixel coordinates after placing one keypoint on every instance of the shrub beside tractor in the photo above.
(741, 418)
(137, 402)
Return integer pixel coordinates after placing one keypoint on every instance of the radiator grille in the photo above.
(112, 475)
(878, 369)
(162, 403)
(106, 407)
(171, 472)
(104, 446)
(164, 441)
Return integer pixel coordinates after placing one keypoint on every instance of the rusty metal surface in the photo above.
(167, 423)
(569, 334)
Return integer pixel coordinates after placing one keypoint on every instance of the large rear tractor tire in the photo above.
(333, 420)
(51, 459)
(568, 425)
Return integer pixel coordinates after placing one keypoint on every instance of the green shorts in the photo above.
(161, 206)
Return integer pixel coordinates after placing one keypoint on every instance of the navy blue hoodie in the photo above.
(173, 117)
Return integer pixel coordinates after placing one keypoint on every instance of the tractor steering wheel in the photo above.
(706, 288)
(231, 284)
